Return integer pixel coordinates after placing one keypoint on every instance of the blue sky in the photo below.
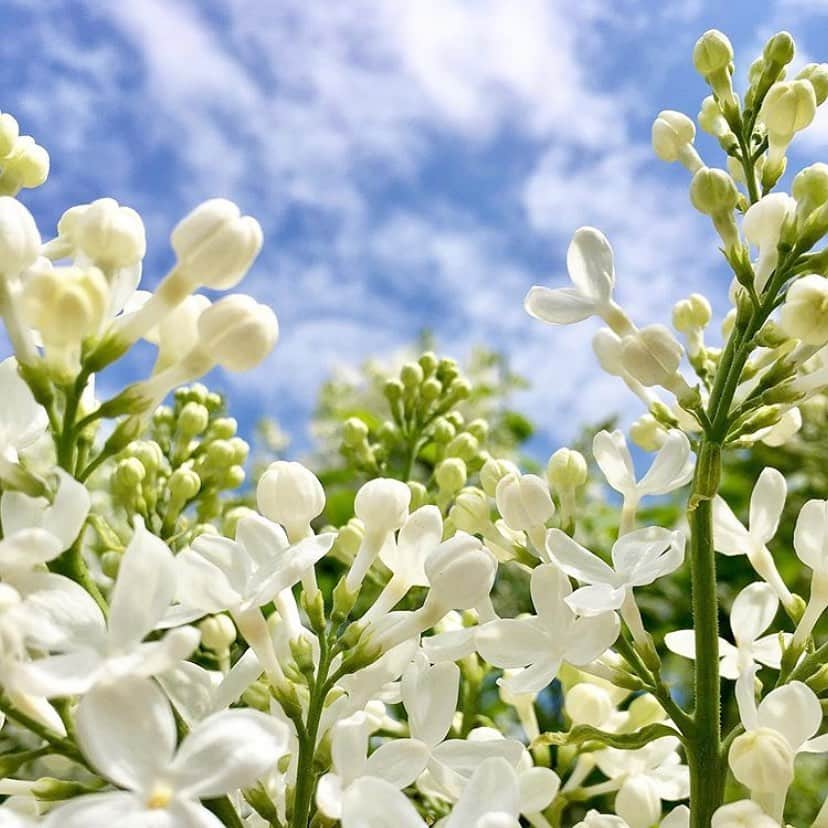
(414, 163)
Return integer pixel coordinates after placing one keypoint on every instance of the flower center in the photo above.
(160, 796)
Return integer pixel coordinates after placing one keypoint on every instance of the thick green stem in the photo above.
(305, 776)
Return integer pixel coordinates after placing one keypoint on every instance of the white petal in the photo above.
(811, 535)
(591, 637)
(561, 306)
(590, 265)
(143, 590)
(228, 750)
(231, 558)
(27, 548)
(374, 803)
(550, 587)
(766, 504)
(752, 612)
(262, 539)
(672, 782)
(398, 761)
(729, 535)
(104, 809)
(512, 642)
(451, 645)
(429, 694)
(793, 710)
(60, 675)
(642, 556)
(534, 678)
(492, 788)
(329, 795)
(768, 650)
(203, 585)
(242, 674)
(538, 787)
(672, 467)
(681, 642)
(613, 457)
(190, 688)
(349, 746)
(596, 599)
(577, 561)
(420, 534)
(186, 814)
(127, 731)
(817, 745)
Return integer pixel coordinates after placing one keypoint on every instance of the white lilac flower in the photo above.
(638, 559)
(752, 613)
(535, 647)
(730, 537)
(762, 226)
(102, 650)
(127, 731)
(23, 421)
(590, 264)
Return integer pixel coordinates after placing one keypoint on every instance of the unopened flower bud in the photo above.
(354, 431)
(692, 313)
(9, 132)
(238, 332)
(638, 803)
(589, 704)
(411, 374)
(393, 390)
(479, 429)
(428, 362)
(652, 355)
(130, 473)
(788, 108)
(108, 234)
(762, 760)
(810, 189)
(461, 572)
(647, 433)
(672, 137)
(566, 469)
(382, 504)
(470, 512)
(217, 633)
(442, 430)
(779, 49)
(712, 52)
(742, 814)
(524, 501)
(184, 484)
(451, 475)
(111, 563)
(817, 75)
(431, 389)
(19, 237)
(711, 119)
(464, 446)
(493, 471)
(27, 165)
(419, 494)
(193, 419)
(713, 192)
(290, 494)
(215, 244)
(177, 333)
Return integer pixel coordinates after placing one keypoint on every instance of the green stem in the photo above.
(224, 810)
(305, 777)
(72, 564)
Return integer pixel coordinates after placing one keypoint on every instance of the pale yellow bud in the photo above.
(712, 52)
(647, 433)
(817, 75)
(652, 356)
(566, 469)
(217, 633)
(804, 315)
(762, 760)
(692, 313)
(451, 475)
(493, 471)
(9, 132)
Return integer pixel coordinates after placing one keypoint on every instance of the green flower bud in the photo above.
(393, 390)
(354, 432)
(428, 362)
(431, 389)
(223, 428)
(713, 191)
(647, 433)
(9, 132)
(456, 419)
(451, 475)
(233, 477)
(149, 453)
(711, 119)
(493, 472)
(693, 313)
(447, 371)
(464, 446)
(217, 633)
(110, 563)
(349, 539)
(479, 428)
(163, 415)
(566, 469)
(184, 484)
(214, 402)
(442, 431)
(388, 433)
(460, 389)
(419, 494)
(241, 450)
(779, 50)
(470, 512)
(712, 53)
(193, 419)
(817, 75)
(810, 189)
(129, 474)
(220, 454)
(193, 393)
(411, 374)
